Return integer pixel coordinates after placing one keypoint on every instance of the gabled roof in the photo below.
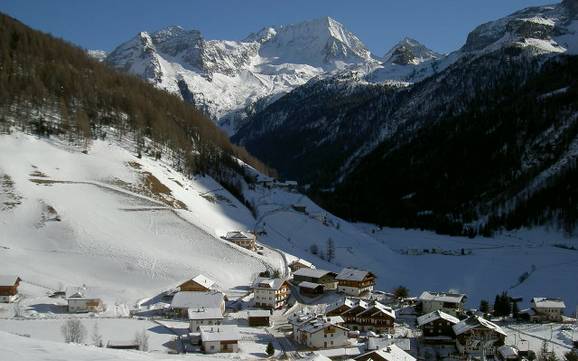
(239, 235)
(376, 308)
(320, 323)
(436, 315)
(190, 299)
(474, 322)
(310, 285)
(303, 262)
(219, 333)
(82, 292)
(349, 302)
(205, 314)
(442, 297)
(202, 280)
(544, 302)
(351, 274)
(8, 280)
(312, 273)
(389, 353)
(269, 283)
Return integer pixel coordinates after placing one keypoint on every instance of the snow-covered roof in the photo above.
(442, 297)
(474, 322)
(269, 283)
(240, 235)
(377, 307)
(258, 313)
(544, 302)
(219, 333)
(122, 343)
(8, 280)
(351, 274)
(303, 262)
(205, 313)
(390, 353)
(320, 323)
(375, 343)
(203, 281)
(300, 317)
(349, 302)
(508, 352)
(190, 299)
(82, 292)
(436, 315)
(312, 273)
(309, 285)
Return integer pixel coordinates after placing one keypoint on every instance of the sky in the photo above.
(442, 25)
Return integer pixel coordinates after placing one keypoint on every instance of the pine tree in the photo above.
(270, 349)
(330, 250)
(484, 306)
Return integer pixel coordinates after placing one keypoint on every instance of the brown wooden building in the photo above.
(9, 288)
(200, 283)
(437, 327)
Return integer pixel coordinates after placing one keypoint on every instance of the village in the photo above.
(305, 311)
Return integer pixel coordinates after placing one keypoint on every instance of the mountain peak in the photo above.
(410, 51)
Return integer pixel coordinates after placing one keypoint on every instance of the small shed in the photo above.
(258, 318)
(311, 289)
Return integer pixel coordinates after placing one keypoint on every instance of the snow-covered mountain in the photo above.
(230, 79)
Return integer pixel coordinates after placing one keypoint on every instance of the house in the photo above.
(300, 263)
(259, 318)
(450, 303)
(311, 289)
(547, 309)
(271, 293)
(299, 208)
(9, 288)
(246, 240)
(204, 317)
(388, 353)
(218, 339)
(355, 282)
(320, 332)
(199, 283)
(319, 276)
(123, 345)
(184, 300)
(437, 328)
(362, 315)
(478, 337)
(83, 299)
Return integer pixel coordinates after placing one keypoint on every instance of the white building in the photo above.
(355, 282)
(271, 293)
(320, 332)
(183, 301)
(83, 299)
(451, 303)
(204, 317)
(219, 339)
(547, 309)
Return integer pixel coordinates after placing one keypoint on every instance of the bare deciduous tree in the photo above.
(73, 331)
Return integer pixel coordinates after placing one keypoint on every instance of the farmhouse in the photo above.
(355, 282)
(300, 263)
(437, 327)
(217, 339)
(204, 317)
(83, 299)
(182, 301)
(246, 240)
(271, 293)
(477, 337)
(547, 309)
(319, 276)
(199, 283)
(361, 315)
(259, 318)
(9, 288)
(321, 332)
(450, 303)
(389, 353)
